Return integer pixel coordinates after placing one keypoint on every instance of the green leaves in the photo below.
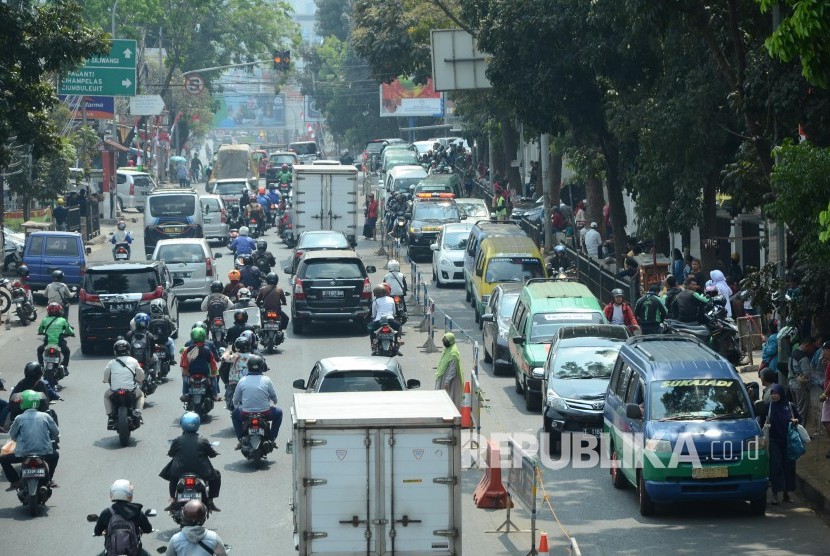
(824, 221)
(802, 33)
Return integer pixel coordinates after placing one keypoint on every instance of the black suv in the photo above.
(112, 293)
(331, 286)
(275, 162)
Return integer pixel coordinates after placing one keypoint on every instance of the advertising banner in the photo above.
(402, 97)
(97, 108)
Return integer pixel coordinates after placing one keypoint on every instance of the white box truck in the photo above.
(376, 473)
(325, 198)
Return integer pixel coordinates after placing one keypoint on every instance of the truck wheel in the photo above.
(646, 504)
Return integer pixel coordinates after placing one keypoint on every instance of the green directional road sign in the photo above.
(109, 75)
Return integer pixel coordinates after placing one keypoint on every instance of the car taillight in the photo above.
(299, 293)
(189, 482)
(132, 189)
(156, 294)
(84, 297)
(254, 422)
(158, 349)
(271, 314)
(224, 216)
(299, 254)
(208, 267)
(367, 290)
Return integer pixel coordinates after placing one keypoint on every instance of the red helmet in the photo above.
(284, 167)
(54, 309)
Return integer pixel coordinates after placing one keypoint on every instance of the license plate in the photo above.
(332, 293)
(190, 496)
(171, 230)
(182, 274)
(120, 256)
(271, 326)
(714, 472)
(29, 473)
(121, 307)
(48, 359)
(257, 432)
(197, 390)
(594, 432)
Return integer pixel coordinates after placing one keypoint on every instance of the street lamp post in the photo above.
(112, 28)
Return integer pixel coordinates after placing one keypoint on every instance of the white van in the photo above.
(399, 178)
(191, 260)
(132, 189)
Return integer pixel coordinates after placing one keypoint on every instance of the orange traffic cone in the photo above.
(466, 408)
(543, 543)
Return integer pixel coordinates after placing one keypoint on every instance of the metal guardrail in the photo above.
(599, 280)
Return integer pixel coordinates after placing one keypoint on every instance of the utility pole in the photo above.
(547, 182)
(780, 227)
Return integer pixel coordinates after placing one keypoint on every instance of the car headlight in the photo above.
(658, 445)
(753, 443)
(414, 230)
(555, 401)
(538, 372)
(485, 299)
(444, 262)
(503, 330)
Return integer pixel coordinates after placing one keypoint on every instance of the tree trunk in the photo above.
(615, 198)
(510, 146)
(556, 178)
(596, 200)
(709, 228)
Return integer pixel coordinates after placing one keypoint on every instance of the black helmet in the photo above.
(23, 271)
(242, 344)
(33, 370)
(216, 287)
(240, 316)
(57, 275)
(121, 347)
(247, 260)
(194, 513)
(272, 278)
(261, 245)
(256, 365)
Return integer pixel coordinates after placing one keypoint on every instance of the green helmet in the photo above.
(29, 399)
(198, 334)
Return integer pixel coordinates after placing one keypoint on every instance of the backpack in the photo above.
(216, 308)
(121, 536)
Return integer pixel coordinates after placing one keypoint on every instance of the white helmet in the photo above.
(393, 266)
(243, 293)
(122, 489)
(243, 231)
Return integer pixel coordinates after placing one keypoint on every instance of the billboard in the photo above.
(250, 110)
(402, 97)
(97, 108)
(310, 112)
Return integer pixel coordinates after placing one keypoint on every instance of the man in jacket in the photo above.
(121, 496)
(191, 453)
(688, 305)
(249, 275)
(194, 538)
(33, 431)
(123, 373)
(650, 311)
(672, 291)
(272, 298)
(619, 312)
(254, 394)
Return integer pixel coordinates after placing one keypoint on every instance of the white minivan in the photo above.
(132, 189)
(399, 178)
(191, 260)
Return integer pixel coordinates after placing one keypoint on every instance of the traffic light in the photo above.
(277, 59)
(282, 60)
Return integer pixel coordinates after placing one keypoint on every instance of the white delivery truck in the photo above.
(376, 473)
(325, 198)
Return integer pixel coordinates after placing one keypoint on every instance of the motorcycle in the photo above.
(233, 215)
(141, 352)
(23, 305)
(198, 396)
(718, 332)
(253, 226)
(34, 490)
(121, 252)
(385, 342)
(400, 309)
(217, 331)
(92, 518)
(256, 429)
(189, 487)
(123, 419)
(162, 360)
(5, 295)
(53, 369)
(399, 229)
(285, 189)
(272, 335)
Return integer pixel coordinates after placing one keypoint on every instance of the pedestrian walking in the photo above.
(780, 414)
(181, 174)
(371, 214)
(60, 214)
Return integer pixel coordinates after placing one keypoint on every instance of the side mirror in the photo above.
(178, 282)
(463, 217)
(434, 247)
(88, 250)
(633, 411)
(370, 269)
(287, 270)
(519, 340)
(217, 255)
(413, 383)
(299, 384)
(488, 317)
(760, 408)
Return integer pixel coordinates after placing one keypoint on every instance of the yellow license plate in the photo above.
(715, 472)
(171, 230)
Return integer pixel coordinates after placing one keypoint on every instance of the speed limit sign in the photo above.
(194, 84)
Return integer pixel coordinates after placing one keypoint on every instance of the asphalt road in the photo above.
(255, 517)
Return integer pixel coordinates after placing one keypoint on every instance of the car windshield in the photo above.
(474, 210)
(403, 184)
(360, 381)
(143, 181)
(280, 159)
(129, 281)
(334, 241)
(230, 188)
(435, 211)
(545, 325)
(304, 148)
(327, 269)
(181, 253)
(585, 362)
(173, 205)
(703, 398)
(513, 269)
(456, 241)
(507, 304)
(374, 147)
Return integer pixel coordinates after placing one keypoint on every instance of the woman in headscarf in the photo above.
(780, 414)
(719, 281)
(449, 376)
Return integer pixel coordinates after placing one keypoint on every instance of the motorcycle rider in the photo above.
(274, 202)
(242, 245)
(191, 453)
(346, 159)
(121, 496)
(272, 298)
(58, 292)
(559, 259)
(243, 300)
(140, 326)
(689, 305)
(240, 325)
(234, 285)
(123, 373)
(253, 394)
(121, 237)
(395, 278)
(33, 431)
(244, 199)
(54, 330)
(263, 259)
(284, 175)
(33, 380)
(23, 282)
(650, 311)
(194, 538)
(619, 312)
(255, 210)
(162, 326)
(264, 202)
(382, 306)
(198, 358)
(216, 303)
(250, 276)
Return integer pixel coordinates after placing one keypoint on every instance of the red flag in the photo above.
(802, 135)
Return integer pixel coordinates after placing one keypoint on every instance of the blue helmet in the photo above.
(142, 320)
(190, 422)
